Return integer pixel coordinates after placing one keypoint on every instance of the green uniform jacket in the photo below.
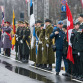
(48, 54)
(39, 52)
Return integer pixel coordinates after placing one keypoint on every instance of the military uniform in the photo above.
(20, 42)
(39, 53)
(75, 68)
(33, 53)
(48, 54)
(59, 49)
(36, 49)
(78, 47)
(26, 44)
(17, 42)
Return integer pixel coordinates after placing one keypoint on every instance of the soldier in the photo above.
(59, 36)
(33, 52)
(7, 39)
(17, 41)
(48, 54)
(75, 67)
(26, 42)
(65, 48)
(20, 40)
(78, 46)
(39, 50)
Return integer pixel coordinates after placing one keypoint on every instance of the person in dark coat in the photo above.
(2, 38)
(20, 36)
(65, 48)
(75, 66)
(79, 46)
(59, 37)
(7, 39)
(26, 43)
(17, 41)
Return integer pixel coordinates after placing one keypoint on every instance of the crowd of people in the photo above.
(49, 41)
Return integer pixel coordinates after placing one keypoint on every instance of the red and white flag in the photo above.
(27, 1)
(69, 31)
(82, 3)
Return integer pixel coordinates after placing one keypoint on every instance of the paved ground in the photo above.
(7, 76)
(15, 72)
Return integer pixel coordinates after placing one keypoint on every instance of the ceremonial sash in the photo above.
(9, 36)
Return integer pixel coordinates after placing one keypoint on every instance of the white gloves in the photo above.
(46, 38)
(21, 41)
(47, 45)
(17, 39)
(42, 48)
(78, 53)
(40, 42)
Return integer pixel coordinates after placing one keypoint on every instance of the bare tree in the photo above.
(54, 9)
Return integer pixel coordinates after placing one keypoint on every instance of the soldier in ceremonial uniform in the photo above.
(79, 47)
(17, 41)
(48, 54)
(20, 36)
(7, 39)
(26, 42)
(75, 67)
(39, 50)
(65, 48)
(59, 37)
(33, 52)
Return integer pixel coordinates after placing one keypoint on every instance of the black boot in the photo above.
(40, 65)
(49, 67)
(44, 66)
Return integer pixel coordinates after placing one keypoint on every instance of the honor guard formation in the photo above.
(50, 45)
(46, 44)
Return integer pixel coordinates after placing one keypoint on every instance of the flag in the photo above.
(69, 31)
(27, 1)
(14, 31)
(35, 37)
(82, 3)
(32, 23)
(2, 8)
(14, 38)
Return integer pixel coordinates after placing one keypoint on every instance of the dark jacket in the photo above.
(65, 45)
(26, 41)
(79, 43)
(79, 40)
(73, 40)
(58, 38)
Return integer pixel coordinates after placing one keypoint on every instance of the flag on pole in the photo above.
(69, 31)
(32, 23)
(82, 3)
(27, 1)
(2, 9)
(14, 31)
